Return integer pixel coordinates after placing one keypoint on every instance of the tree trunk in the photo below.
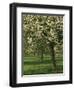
(34, 53)
(53, 56)
(41, 55)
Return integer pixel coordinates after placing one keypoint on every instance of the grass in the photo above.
(33, 65)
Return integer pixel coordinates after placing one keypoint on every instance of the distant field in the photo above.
(33, 65)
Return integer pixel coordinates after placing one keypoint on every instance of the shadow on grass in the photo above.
(37, 62)
(40, 62)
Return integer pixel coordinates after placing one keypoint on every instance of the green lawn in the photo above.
(33, 65)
